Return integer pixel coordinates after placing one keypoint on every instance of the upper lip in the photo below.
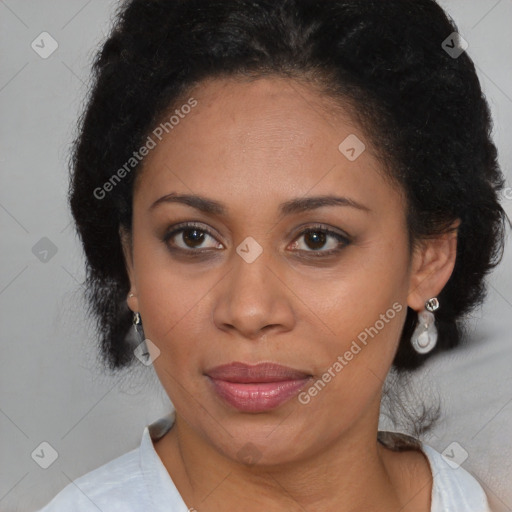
(262, 372)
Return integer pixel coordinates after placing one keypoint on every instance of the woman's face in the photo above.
(246, 283)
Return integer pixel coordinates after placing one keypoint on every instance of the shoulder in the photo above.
(119, 481)
(453, 487)
(134, 482)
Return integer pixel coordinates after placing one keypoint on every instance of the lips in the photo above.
(256, 388)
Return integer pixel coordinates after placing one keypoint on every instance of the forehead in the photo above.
(269, 137)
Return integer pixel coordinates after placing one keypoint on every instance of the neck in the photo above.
(337, 478)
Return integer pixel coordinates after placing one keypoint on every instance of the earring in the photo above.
(424, 337)
(137, 325)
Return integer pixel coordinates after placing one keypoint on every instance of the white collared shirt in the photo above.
(139, 482)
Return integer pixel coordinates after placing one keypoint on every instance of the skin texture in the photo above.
(252, 146)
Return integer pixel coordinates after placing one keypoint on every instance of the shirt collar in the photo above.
(161, 489)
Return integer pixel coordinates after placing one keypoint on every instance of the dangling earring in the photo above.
(137, 325)
(142, 351)
(424, 337)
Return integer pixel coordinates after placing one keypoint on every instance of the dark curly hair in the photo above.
(383, 60)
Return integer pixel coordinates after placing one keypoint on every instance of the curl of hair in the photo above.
(422, 109)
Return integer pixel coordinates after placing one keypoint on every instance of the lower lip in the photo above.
(257, 397)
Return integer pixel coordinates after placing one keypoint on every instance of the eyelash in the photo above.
(317, 228)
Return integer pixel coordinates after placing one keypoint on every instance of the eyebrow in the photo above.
(287, 208)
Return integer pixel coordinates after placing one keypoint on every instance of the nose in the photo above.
(253, 299)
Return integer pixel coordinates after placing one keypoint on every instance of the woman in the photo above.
(289, 200)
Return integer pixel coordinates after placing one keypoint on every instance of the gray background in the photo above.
(51, 389)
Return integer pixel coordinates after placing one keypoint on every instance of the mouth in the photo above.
(256, 388)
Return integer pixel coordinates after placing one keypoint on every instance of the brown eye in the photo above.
(320, 241)
(190, 237)
(315, 239)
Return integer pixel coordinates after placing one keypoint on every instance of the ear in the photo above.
(126, 244)
(433, 261)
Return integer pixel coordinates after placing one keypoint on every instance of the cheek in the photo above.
(365, 312)
(169, 298)
(363, 287)
(173, 308)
